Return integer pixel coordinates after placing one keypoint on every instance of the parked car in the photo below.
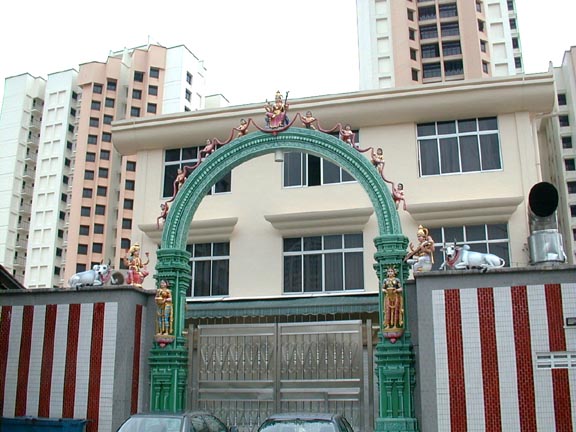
(306, 422)
(197, 421)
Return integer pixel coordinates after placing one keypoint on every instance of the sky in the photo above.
(250, 48)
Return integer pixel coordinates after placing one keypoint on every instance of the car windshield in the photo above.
(152, 424)
(298, 426)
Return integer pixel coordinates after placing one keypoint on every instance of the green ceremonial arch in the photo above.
(169, 364)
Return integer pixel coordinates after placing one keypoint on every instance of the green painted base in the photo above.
(396, 425)
(168, 377)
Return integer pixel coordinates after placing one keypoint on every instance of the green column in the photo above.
(169, 363)
(394, 356)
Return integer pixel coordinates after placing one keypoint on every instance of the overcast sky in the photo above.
(251, 48)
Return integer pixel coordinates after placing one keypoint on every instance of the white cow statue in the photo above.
(462, 258)
(98, 276)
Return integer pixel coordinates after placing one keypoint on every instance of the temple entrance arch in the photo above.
(168, 359)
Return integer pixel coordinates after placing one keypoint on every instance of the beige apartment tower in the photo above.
(410, 42)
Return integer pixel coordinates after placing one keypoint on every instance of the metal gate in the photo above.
(243, 373)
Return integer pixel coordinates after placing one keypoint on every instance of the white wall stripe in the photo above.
(507, 373)
(12, 363)
(543, 390)
(569, 310)
(472, 350)
(442, 384)
(36, 350)
(108, 369)
(59, 365)
(83, 362)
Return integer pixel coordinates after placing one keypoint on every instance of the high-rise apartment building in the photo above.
(410, 42)
(67, 197)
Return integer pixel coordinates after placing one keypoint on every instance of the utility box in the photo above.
(35, 424)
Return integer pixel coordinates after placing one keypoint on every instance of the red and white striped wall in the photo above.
(486, 342)
(58, 361)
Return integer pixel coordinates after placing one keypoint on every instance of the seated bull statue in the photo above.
(462, 258)
(97, 276)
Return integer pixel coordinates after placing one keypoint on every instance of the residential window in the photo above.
(97, 247)
(129, 184)
(430, 51)
(561, 98)
(431, 70)
(109, 102)
(62, 215)
(154, 72)
(153, 90)
(189, 78)
(303, 169)
(573, 210)
(100, 209)
(134, 111)
(128, 204)
(410, 14)
(74, 95)
(57, 271)
(86, 193)
(210, 264)
(412, 34)
(513, 23)
(470, 145)
(65, 179)
(64, 198)
(151, 108)
(69, 145)
(94, 122)
(564, 120)
(136, 94)
(485, 238)
(188, 95)
(515, 43)
(82, 249)
(72, 112)
(107, 119)
(61, 233)
(98, 228)
(453, 67)
(481, 26)
(101, 191)
(92, 139)
(414, 74)
(125, 243)
(138, 76)
(95, 105)
(106, 137)
(426, 13)
(105, 154)
(84, 211)
(571, 187)
(429, 32)
(88, 175)
(130, 166)
(510, 4)
(413, 54)
(485, 67)
(111, 85)
(126, 223)
(97, 88)
(448, 10)
(517, 62)
(323, 263)
(556, 360)
(451, 48)
(90, 157)
(71, 128)
(567, 142)
(175, 159)
(80, 267)
(483, 46)
(570, 164)
(103, 172)
(450, 29)
(58, 252)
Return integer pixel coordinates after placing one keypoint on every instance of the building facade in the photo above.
(405, 43)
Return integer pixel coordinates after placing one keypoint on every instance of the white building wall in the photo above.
(42, 260)
(500, 38)
(179, 62)
(19, 122)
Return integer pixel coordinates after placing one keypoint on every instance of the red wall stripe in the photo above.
(136, 360)
(524, 367)
(71, 361)
(24, 360)
(47, 361)
(557, 338)
(489, 351)
(5, 321)
(458, 415)
(95, 367)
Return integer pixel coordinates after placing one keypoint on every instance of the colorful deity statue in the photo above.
(137, 271)
(308, 120)
(348, 136)
(398, 196)
(393, 302)
(421, 257)
(276, 113)
(242, 128)
(164, 310)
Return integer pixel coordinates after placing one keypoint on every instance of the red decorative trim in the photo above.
(455, 259)
(557, 338)
(71, 361)
(458, 414)
(47, 361)
(5, 321)
(24, 361)
(489, 352)
(136, 360)
(95, 373)
(524, 366)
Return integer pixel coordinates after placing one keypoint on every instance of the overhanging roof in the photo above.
(288, 305)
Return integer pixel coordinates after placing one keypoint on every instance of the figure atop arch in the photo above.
(277, 113)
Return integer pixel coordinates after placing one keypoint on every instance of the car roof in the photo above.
(302, 416)
(170, 414)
